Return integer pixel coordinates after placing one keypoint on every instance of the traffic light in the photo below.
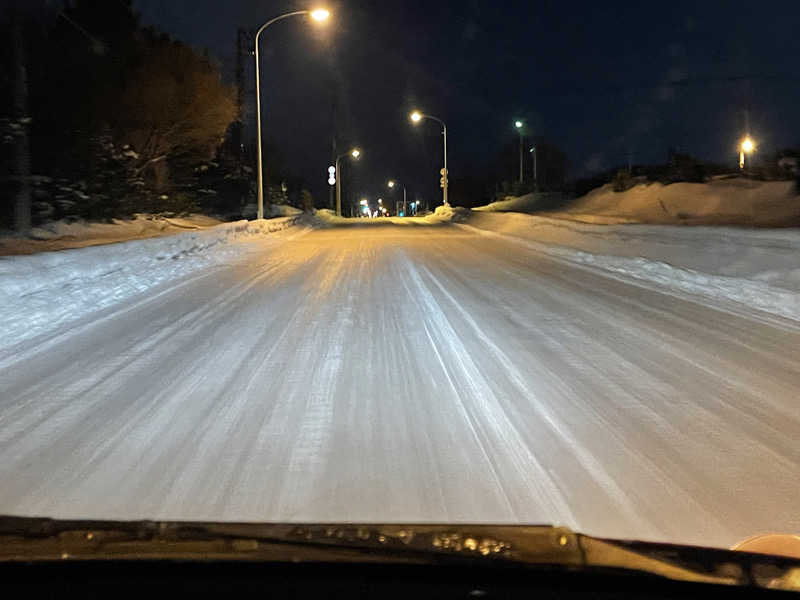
(331, 175)
(443, 180)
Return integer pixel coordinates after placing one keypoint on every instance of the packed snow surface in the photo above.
(441, 373)
(42, 291)
(748, 268)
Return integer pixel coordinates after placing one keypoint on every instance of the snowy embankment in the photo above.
(442, 215)
(751, 268)
(59, 235)
(722, 201)
(40, 292)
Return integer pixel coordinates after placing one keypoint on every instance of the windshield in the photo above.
(402, 262)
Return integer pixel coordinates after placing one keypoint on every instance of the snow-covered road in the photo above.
(395, 373)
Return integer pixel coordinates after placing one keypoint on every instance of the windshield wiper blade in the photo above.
(32, 539)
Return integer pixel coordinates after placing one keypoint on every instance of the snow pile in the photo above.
(447, 214)
(442, 215)
(328, 217)
(757, 268)
(722, 201)
(524, 203)
(282, 210)
(58, 235)
(43, 291)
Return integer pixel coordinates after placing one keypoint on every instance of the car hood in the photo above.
(34, 539)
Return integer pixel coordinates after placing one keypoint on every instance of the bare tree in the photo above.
(173, 109)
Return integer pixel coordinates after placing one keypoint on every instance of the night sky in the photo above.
(601, 80)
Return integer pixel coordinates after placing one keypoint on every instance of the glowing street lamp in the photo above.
(354, 153)
(747, 146)
(392, 183)
(416, 117)
(319, 14)
(519, 125)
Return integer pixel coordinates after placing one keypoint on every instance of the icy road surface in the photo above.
(411, 374)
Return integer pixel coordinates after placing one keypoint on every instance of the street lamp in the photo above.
(319, 14)
(355, 153)
(535, 170)
(519, 124)
(391, 183)
(416, 117)
(747, 146)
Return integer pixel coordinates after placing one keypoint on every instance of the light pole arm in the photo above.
(432, 118)
(260, 214)
(279, 18)
(446, 173)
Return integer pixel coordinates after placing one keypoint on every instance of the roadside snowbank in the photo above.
(442, 215)
(758, 268)
(59, 235)
(528, 203)
(42, 291)
(282, 210)
(724, 201)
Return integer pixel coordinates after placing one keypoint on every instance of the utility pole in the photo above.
(238, 138)
(331, 190)
(519, 125)
(446, 174)
(22, 155)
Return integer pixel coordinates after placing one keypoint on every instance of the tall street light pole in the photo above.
(355, 153)
(393, 183)
(747, 146)
(318, 15)
(535, 170)
(416, 117)
(519, 125)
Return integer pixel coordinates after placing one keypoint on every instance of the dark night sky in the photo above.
(590, 76)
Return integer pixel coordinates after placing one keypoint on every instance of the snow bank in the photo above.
(58, 235)
(725, 201)
(526, 203)
(447, 214)
(442, 215)
(42, 291)
(282, 210)
(758, 268)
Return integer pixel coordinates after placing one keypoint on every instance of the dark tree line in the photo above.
(118, 118)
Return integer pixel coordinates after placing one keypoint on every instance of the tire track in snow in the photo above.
(485, 409)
